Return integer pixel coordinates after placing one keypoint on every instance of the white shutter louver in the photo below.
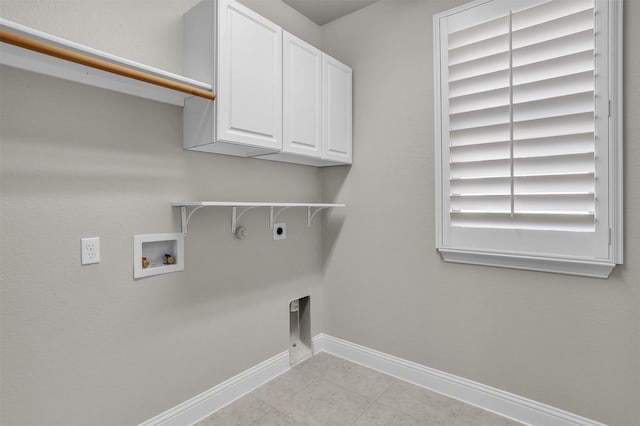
(522, 141)
(523, 130)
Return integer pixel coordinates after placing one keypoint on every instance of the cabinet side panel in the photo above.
(198, 126)
(199, 42)
(197, 122)
(337, 104)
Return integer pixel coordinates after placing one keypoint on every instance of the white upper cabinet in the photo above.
(241, 53)
(317, 107)
(302, 98)
(337, 105)
(278, 97)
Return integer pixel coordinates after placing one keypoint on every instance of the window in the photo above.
(528, 118)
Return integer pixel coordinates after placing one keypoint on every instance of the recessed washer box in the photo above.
(155, 254)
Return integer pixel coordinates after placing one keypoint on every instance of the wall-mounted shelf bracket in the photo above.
(238, 208)
(274, 216)
(310, 215)
(185, 217)
(235, 218)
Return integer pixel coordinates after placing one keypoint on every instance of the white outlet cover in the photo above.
(279, 231)
(90, 250)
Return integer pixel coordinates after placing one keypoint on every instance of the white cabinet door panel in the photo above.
(249, 77)
(302, 103)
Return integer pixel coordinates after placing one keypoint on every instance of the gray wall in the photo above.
(89, 345)
(566, 341)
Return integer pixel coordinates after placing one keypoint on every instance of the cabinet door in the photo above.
(249, 98)
(302, 102)
(336, 135)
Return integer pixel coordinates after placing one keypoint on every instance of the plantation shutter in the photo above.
(520, 116)
(522, 133)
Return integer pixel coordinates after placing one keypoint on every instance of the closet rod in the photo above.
(79, 58)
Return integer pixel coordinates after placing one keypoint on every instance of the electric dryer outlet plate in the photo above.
(279, 231)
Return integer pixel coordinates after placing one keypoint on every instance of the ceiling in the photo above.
(324, 11)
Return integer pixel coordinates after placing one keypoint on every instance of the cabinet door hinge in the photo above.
(610, 236)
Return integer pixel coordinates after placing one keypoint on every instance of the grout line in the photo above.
(364, 412)
(264, 415)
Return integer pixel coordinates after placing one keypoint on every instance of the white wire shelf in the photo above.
(238, 208)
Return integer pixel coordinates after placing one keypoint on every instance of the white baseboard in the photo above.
(203, 405)
(500, 402)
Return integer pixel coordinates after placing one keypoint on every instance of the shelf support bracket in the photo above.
(235, 216)
(184, 218)
(273, 214)
(310, 215)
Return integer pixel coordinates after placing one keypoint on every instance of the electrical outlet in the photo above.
(90, 250)
(279, 231)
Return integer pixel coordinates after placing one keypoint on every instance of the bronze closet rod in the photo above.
(82, 59)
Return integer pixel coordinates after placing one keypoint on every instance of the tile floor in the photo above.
(327, 390)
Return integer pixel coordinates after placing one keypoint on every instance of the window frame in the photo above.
(564, 264)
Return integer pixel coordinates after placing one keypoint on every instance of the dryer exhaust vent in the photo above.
(300, 330)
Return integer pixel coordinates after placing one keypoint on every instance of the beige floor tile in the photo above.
(324, 403)
(323, 363)
(276, 418)
(362, 380)
(284, 385)
(328, 390)
(242, 412)
(435, 409)
(381, 415)
(421, 404)
(470, 415)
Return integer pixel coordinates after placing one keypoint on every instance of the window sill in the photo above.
(585, 268)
